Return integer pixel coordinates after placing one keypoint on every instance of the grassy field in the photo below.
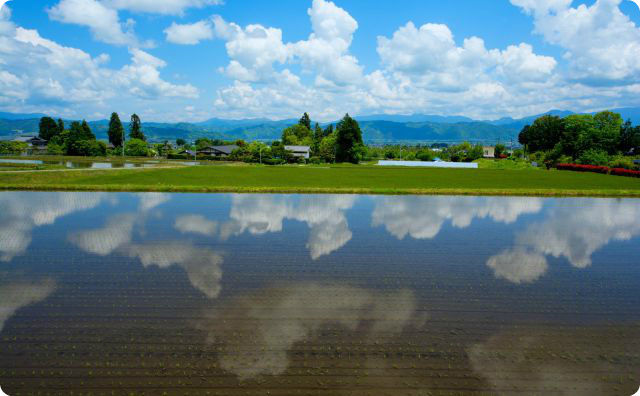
(330, 179)
(506, 164)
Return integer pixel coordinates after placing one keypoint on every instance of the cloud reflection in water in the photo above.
(258, 331)
(262, 214)
(573, 230)
(423, 217)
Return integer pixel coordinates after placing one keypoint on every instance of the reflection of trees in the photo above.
(423, 217)
(260, 214)
(22, 212)
(560, 361)
(575, 230)
(259, 331)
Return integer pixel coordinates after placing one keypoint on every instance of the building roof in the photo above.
(223, 149)
(27, 139)
(297, 149)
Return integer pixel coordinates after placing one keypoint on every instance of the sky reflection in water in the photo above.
(419, 293)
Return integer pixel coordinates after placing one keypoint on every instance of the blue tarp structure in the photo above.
(430, 164)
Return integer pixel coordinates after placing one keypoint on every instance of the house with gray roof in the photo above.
(218, 151)
(299, 151)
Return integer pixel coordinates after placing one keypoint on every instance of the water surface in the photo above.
(83, 164)
(302, 295)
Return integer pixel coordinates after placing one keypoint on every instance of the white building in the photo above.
(489, 152)
(299, 151)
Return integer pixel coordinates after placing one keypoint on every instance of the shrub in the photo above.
(7, 147)
(79, 147)
(426, 155)
(621, 163)
(97, 148)
(55, 149)
(594, 157)
(411, 156)
(625, 172)
(583, 168)
(136, 148)
(274, 161)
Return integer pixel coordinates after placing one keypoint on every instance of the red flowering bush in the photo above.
(625, 172)
(583, 168)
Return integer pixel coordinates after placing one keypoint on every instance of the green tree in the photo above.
(464, 152)
(349, 142)
(594, 157)
(426, 155)
(8, 147)
(328, 130)
(86, 131)
(579, 130)
(607, 128)
(180, 142)
(60, 126)
(629, 137)
(136, 148)
(79, 140)
(318, 135)
(97, 148)
(543, 134)
(297, 135)
(202, 143)
(135, 128)
(500, 149)
(116, 131)
(48, 128)
(327, 148)
(305, 121)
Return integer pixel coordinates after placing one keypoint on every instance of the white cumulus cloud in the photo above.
(103, 22)
(602, 44)
(189, 34)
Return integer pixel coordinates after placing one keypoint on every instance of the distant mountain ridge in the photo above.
(376, 128)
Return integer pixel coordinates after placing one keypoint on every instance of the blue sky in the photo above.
(189, 60)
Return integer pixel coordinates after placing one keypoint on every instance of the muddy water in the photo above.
(329, 295)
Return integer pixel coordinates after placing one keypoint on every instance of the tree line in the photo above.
(600, 139)
(79, 140)
(340, 144)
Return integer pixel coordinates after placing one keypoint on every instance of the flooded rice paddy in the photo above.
(81, 165)
(110, 294)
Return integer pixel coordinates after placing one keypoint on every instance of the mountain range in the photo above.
(377, 128)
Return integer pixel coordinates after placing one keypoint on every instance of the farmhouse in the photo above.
(34, 142)
(218, 151)
(488, 152)
(299, 151)
(190, 153)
